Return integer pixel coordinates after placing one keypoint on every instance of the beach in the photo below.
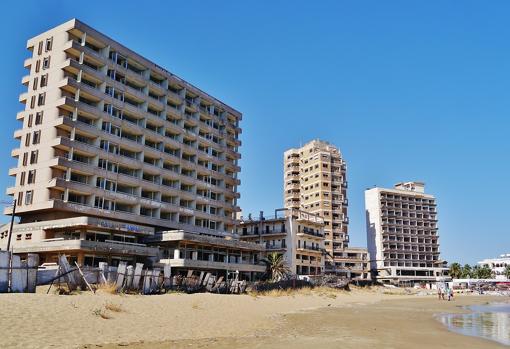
(361, 318)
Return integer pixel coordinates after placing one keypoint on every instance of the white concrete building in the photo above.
(293, 233)
(497, 265)
(402, 234)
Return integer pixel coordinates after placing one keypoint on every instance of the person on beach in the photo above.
(439, 291)
(449, 293)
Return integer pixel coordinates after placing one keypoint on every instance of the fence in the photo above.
(17, 275)
(129, 278)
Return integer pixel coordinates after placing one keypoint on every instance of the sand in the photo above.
(357, 319)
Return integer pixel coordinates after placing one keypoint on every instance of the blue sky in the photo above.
(407, 91)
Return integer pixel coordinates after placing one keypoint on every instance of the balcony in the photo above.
(27, 63)
(310, 233)
(23, 97)
(107, 247)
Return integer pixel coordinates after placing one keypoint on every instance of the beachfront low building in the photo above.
(356, 262)
(296, 234)
(185, 251)
(89, 241)
(402, 234)
(498, 266)
(83, 239)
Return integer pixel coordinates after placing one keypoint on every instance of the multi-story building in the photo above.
(297, 235)
(185, 251)
(354, 262)
(402, 234)
(114, 148)
(315, 181)
(498, 266)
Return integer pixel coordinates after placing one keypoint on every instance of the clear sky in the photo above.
(408, 90)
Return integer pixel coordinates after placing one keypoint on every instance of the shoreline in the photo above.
(325, 319)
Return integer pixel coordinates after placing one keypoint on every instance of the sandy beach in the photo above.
(361, 318)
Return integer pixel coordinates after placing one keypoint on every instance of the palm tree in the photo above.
(475, 273)
(507, 271)
(481, 272)
(276, 267)
(467, 272)
(485, 272)
(455, 271)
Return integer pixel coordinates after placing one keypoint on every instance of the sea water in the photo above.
(490, 321)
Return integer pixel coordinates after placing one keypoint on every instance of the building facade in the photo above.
(498, 266)
(295, 234)
(115, 148)
(402, 234)
(315, 180)
(354, 262)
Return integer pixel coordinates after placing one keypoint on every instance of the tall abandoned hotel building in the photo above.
(120, 159)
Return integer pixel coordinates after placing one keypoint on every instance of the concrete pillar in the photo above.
(177, 254)
(194, 255)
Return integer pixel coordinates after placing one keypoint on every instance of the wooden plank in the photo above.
(242, 287)
(210, 283)
(121, 275)
(155, 285)
(4, 272)
(111, 276)
(137, 276)
(167, 273)
(130, 271)
(190, 273)
(17, 284)
(103, 272)
(147, 282)
(83, 277)
(65, 268)
(217, 285)
(33, 263)
(200, 278)
(206, 279)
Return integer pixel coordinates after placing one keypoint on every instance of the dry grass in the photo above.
(305, 291)
(108, 287)
(105, 311)
(101, 313)
(116, 308)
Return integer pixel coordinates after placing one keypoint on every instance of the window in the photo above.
(22, 178)
(31, 177)
(32, 102)
(46, 63)
(25, 159)
(44, 80)
(37, 66)
(27, 140)
(106, 184)
(38, 118)
(20, 198)
(18, 237)
(30, 117)
(36, 137)
(41, 99)
(49, 43)
(36, 81)
(28, 236)
(34, 154)
(39, 49)
(28, 197)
